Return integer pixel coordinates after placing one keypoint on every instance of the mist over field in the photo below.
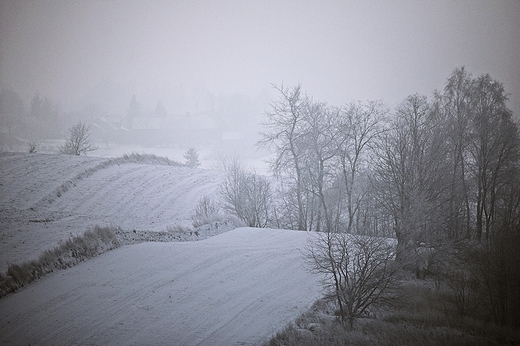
(260, 172)
(208, 67)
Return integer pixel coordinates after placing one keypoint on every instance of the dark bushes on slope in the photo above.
(147, 159)
(74, 250)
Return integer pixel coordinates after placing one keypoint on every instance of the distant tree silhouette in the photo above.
(11, 110)
(192, 158)
(44, 117)
(160, 110)
(134, 111)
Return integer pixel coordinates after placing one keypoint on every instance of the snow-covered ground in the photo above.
(46, 198)
(238, 287)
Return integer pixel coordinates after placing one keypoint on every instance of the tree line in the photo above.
(434, 168)
(439, 174)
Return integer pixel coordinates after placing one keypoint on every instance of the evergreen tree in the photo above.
(160, 110)
(192, 158)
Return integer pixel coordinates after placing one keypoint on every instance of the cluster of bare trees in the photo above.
(322, 158)
(246, 195)
(444, 167)
(433, 171)
(453, 161)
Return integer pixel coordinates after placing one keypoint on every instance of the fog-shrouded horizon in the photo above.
(189, 53)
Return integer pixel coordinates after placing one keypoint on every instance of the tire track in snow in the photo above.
(27, 178)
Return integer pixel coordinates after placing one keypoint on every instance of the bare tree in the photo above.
(454, 106)
(78, 141)
(482, 149)
(321, 141)
(409, 173)
(494, 148)
(205, 210)
(360, 126)
(246, 195)
(284, 131)
(359, 271)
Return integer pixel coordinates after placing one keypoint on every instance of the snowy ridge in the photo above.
(47, 198)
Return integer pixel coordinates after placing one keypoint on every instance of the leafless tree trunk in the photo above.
(283, 133)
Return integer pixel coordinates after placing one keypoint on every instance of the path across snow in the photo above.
(237, 288)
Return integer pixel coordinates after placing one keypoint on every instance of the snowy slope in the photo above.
(237, 288)
(46, 198)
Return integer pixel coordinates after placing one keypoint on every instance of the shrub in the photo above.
(31, 147)
(147, 159)
(418, 318)
(206, 212)
(178, 229)
(359, 271)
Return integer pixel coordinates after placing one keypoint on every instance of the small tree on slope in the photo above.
(192, 158)
(359, 271)
(78, 141)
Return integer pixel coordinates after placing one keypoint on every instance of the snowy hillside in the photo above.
(238, 287)
(46, 198)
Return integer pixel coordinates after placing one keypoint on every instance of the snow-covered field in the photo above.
(238, 287)
(46, 198)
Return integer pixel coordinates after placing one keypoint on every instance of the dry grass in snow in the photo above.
(67, 254)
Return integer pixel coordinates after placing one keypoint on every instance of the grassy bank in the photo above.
(67, 254)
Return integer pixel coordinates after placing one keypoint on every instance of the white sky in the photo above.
(339, 50)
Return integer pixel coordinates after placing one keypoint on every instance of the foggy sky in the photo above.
(341, 51)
